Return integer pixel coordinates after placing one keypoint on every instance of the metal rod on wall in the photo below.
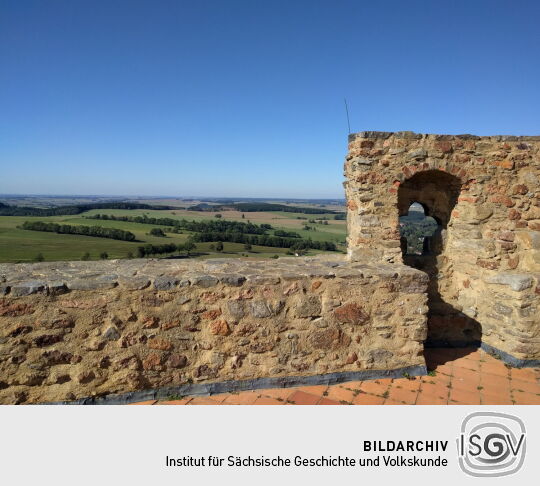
(347, 111)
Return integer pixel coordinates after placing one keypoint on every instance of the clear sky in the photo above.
(245, 98)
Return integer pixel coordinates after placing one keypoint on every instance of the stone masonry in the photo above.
(484, 261)
(75, 330)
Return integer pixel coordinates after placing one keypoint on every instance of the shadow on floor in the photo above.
(439, 356)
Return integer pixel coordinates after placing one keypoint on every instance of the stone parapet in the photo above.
(73, 330)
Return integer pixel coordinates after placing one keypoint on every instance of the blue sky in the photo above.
(245, 98)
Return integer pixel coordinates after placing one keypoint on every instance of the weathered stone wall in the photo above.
(83, 329)
(484, 263)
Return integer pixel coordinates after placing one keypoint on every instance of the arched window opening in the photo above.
(425, 205)
(416, 230)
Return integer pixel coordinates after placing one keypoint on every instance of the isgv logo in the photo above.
(491, 444)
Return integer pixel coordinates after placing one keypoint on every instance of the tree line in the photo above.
(286, 234)
(265, 240)
(250, 207)
(97, 231)
(151, 250)
(7, 210)
(217, 225)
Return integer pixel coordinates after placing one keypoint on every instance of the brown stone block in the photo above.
(220, 328)
(211, 314)
(351, 313)
(502, 199)
(505, 164)
(443, 146)
(489, 264)
(160, 344)
(152, 362)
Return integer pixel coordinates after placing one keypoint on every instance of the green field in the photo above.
(17, 245)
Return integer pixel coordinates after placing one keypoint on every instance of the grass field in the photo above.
(17, 245)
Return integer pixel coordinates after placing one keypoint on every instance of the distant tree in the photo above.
(130, 255)
(189, 246)
(243, 216)
(275, 256)
(219, 246)
(86, 256)
(39, 257)
(219, 216)
(157, 232)
(247, 247)
(104, 255)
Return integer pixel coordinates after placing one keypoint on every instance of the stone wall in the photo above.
(74, 330)
(484, 262)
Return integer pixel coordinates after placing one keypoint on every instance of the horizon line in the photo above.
(6, 195)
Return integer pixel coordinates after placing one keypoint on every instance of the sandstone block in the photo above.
(309, 307)
(160, 344)
(529, 239)
(236, 309)
(260, 308)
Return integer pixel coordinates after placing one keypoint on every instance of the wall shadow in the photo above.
(448, 327)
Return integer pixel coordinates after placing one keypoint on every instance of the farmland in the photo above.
(19, 245)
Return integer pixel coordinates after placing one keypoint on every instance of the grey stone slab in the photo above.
(260, 308)
(263, 279)
(57, 288)
(204, 280)
(138, 282)
(28, 287)
(233, 280)
(515, 281)
(165, 283)
(93, 283)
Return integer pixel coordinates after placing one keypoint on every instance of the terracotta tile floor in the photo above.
(466, 376)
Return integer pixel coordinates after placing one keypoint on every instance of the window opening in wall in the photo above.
(416, 230)
(425, 205)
